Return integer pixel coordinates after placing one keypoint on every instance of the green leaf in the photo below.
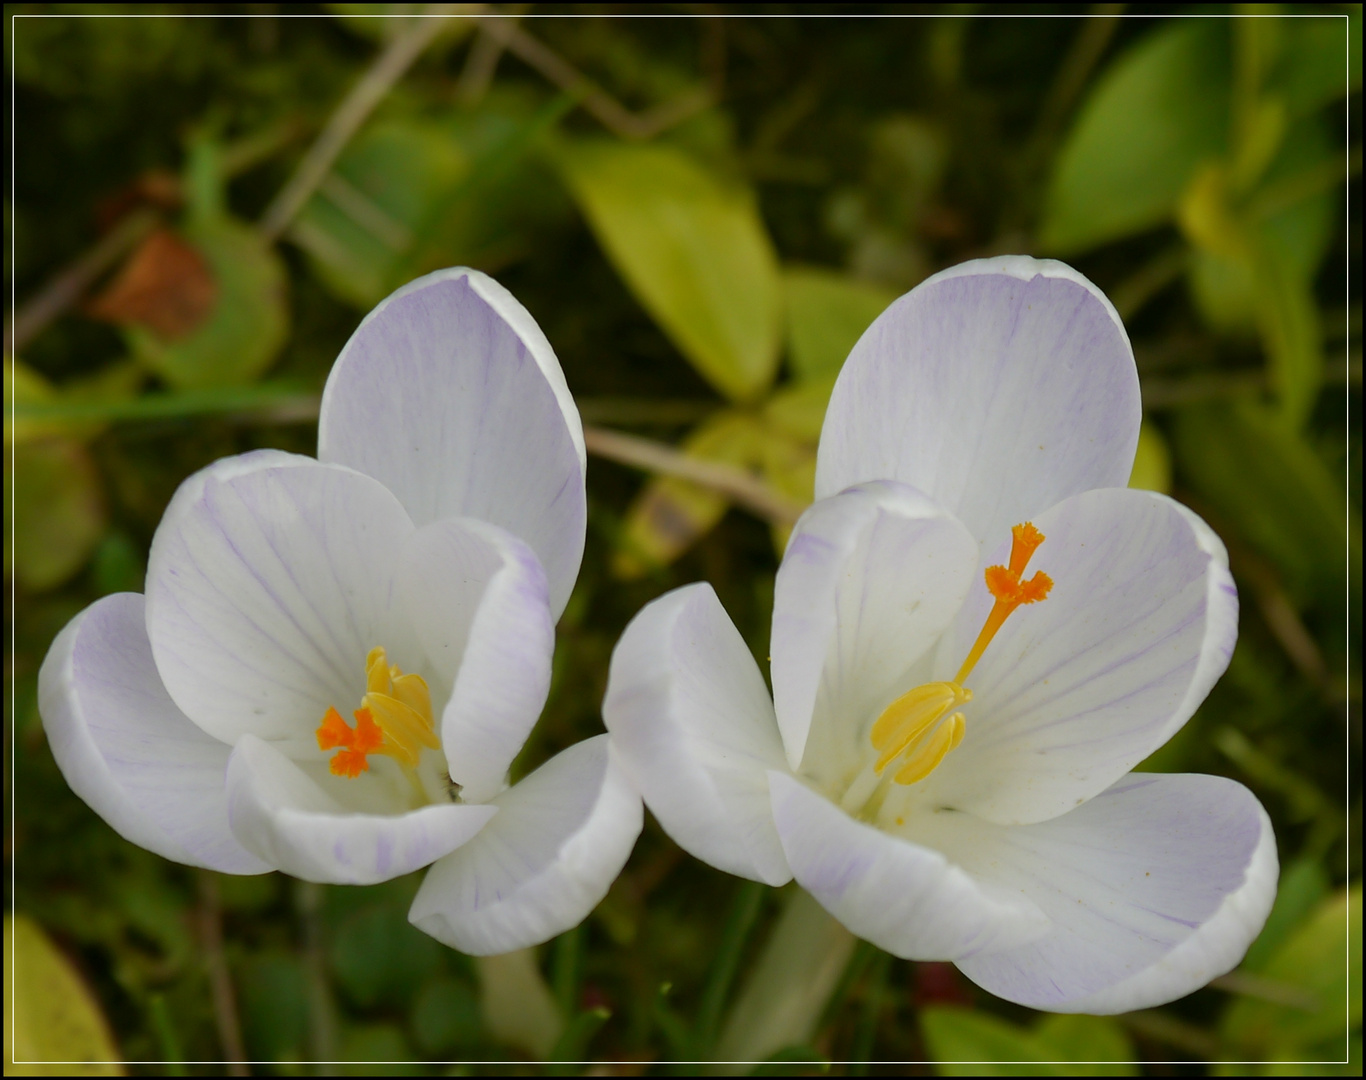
(1303, 884)
(50, 1014)
(56, 513)
(446, 1016)
(968, 1043)
(362, 224)
(1320, 61)
(376, 1050)
(1266, 482)
(378, 957)
(692, 249)
(1068, 1040)
(1158, 112)
(826, 313)
(273, 996)
(249, 322)
(410, 195)
(1318, 958)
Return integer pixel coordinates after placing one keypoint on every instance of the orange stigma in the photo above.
(1007, 584)
(918, 728)
(394, 719)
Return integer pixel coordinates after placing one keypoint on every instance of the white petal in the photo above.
(560, 839)
(265, 591)
(126, 749)
(998, 388)
(287, 819)
(1153, 888)
(907, 899)
(449, 394)
(1079, 688)
(869, 581)
(691, 717)
(477, 597)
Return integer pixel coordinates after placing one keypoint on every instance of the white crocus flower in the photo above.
(978, 632)
(337, 660)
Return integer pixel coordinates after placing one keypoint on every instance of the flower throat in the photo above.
(914, 729)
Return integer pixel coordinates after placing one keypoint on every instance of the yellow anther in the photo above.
(913, 724)
(396, 706)
(925, 758)
(911, 717)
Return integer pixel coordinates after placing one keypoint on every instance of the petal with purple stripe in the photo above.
(998, 388)
(1076, 690)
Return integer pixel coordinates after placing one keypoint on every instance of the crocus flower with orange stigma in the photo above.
(978, 632)
(336, 660)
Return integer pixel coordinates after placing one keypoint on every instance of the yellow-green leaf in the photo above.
(826, 313)
(1268, 484)
(50, 1015)
(693, 250)
(1155, 115)
(1321, 960)
(57, 511)
(1152, 469)
(670, 515)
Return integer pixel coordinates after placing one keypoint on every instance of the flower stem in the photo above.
(787, 988)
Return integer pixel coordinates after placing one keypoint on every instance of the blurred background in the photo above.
(703, 210)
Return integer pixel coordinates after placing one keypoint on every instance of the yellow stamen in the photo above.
(394, 719)
(913, 724)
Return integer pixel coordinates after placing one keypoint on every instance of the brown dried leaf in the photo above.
(166, 285)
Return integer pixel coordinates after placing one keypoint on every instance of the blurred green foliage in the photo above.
(703, 220)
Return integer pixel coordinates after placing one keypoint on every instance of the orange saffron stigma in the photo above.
(1007, 585)
(394, 719)
(920, 728)
(365, 738)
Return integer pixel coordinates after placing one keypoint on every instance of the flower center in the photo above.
(394, 719)
(917, 727)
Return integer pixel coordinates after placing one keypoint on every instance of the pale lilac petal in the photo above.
(903, 897)
(689, 713)
(287, 819)
(449, 394)
(1152, 888)
(477, 597)
(870, 580)
(998, 388)
(267, 588)
(1077, 689)
(560, 839)
(126, 749)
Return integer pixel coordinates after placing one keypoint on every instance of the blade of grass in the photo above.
(744, 912)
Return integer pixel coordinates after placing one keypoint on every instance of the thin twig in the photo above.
(1165, 1028)
(220, 979)
(602, 106)
(71, 282)
(480, 65)
(1264, 989)
(742, 488)
(387, 69)
(1087, 48)
(1148, 280)
(322, 1016)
